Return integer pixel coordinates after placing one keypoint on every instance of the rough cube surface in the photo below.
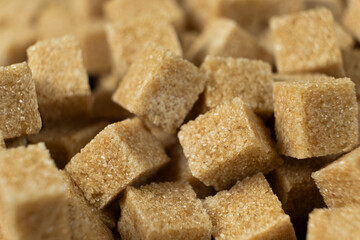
(248, 79)
(306, 42)
(160, 87)
(335, 223)
(19, 113)
(163, 211)
(351, 17)
(128, 38)
(315, 118)
(352, 67)
(118, 156)
(60, 77)
(33, 201)
(339, 182)
(249, 210)
(223, 37)
(226, 144)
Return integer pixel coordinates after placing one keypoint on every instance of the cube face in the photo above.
(169, 84)
(315, 118)
(351, 19)
(19, 114)
(306, 42)
(119, 155)
(248, 79)
(60, 78)
(249, 210)
(163, 211)
(338, 182)
(223, 37)
(127, 39)
(335, 223)
(352, 69)
(31, 186)
(226, 144)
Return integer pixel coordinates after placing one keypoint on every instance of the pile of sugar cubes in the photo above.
(179, 119)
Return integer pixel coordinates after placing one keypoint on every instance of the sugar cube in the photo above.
(352, 67)
(350, 17)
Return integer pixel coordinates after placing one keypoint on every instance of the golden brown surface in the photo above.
(350, 17)
(2, 143)
(19, 113)
(352, 67)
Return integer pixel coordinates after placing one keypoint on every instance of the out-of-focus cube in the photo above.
(334, 223)
(351, 17)
(60, 77)
(249, 210)
(352, 67)
(158, 11)
(160, 87)
(88, 9)
(223, 37)
(2, 143)
(344, 39)
(127, 39)
(19, 113)
(339, 182)
(163, 211)
(32, 195)
(306, 42)
(166, 139)
(315, 117)
(230, 78)
(17, 142)
(187, 38)
(335, 6)
(227, 144)
(118, 156)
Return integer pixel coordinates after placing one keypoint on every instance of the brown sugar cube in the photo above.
(60, 77)
(88, 9)
(306, 42)
(315, 118)
(187, 38)
(280, 77)
(352, 67)
(19, 113)
(32, 195)
(163, 211)
(128, 38)
(160, 11)
(223, 37)
(170, 87)
(66, 140)
(335, 6)
(335, 223)
(84, 222)
(166, 139)
(248, 79)
(118, 156)
(339, 182)
(2, 143)
(227, 144)
(249, 210)
(343, 37)
(351, 17)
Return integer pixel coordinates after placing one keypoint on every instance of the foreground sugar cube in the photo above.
(128, 38)
(334, 223)
(60, 77)
(66, 140)
(351, 17)
(32, 195)
(227, 144)
(339, 182)
(315, 117)
(84, 222)
(248, 79)
(223, 37)
(118, 156)
(306, 42)
(352, 68)
(163, 211)
(249, 210)
(19, 113)
(170, 87)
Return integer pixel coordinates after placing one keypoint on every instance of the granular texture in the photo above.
(306, 42)
(334, 223)
(351, 17)
(227, 144)
(248, 79)
(223, 37)
(160, 87)
(249, 210)
(163, 211)
(118, 156)
(32, 195)
(352, 67)
(128, 38)
(339, 182)
(315, 118)
(60, 77)
(19, 113)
